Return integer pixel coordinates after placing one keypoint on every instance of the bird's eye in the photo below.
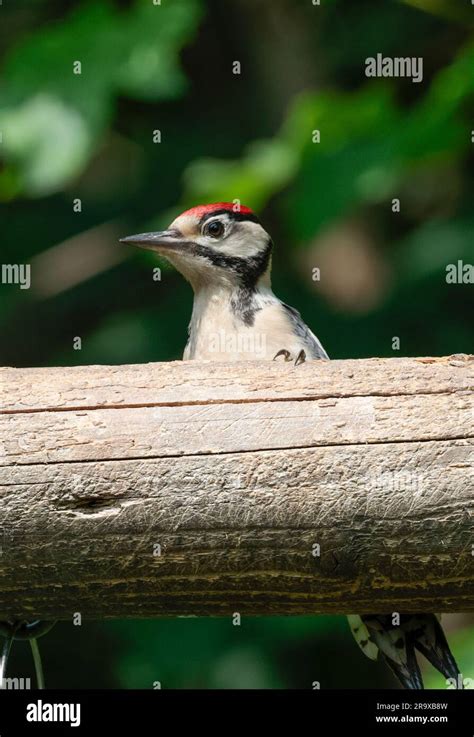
(215, 229)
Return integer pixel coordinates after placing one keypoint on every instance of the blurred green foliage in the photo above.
(53, 120)
(168, 68)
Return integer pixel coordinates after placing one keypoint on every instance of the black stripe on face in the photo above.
(248, 270)
(235, 216)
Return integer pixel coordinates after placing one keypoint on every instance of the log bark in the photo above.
(259, 488)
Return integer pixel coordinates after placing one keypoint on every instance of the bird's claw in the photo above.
(283, 352)
(300, 358)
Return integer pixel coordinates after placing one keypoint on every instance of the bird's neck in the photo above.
(236, 301)
(228, 308)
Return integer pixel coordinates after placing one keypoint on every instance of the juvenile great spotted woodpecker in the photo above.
(225, 253)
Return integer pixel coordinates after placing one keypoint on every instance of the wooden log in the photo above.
(206, 489)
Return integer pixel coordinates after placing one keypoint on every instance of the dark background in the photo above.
(224, 136)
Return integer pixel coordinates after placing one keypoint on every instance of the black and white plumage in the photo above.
(225, 253)
(397, 644)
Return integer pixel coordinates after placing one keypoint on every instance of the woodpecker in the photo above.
(224, 252)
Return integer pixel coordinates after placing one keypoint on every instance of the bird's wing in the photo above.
(397, 644)
(430, 640)
(397, 648)
(302, 330)
(362, 636)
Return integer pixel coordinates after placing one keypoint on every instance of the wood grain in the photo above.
(207, 489)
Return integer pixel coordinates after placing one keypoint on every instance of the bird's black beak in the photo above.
(163, 240)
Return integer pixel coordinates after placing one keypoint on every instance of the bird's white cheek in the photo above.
(186, 263)
(244, 244)
(198, 270)
(237, 245)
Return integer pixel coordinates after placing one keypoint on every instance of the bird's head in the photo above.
(221, 244)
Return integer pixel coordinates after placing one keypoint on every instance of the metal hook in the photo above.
(18, 630)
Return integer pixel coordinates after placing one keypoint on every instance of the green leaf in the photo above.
(52, 118)
(47, 141)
